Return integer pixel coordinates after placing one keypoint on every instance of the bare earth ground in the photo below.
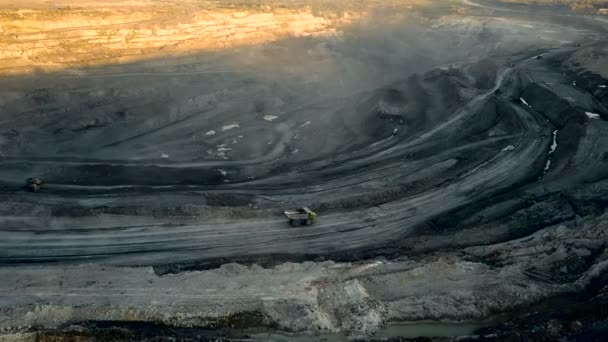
(171, 139)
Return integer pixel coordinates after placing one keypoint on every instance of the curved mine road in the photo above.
(444, 155)
(171, 166)
(456, 153)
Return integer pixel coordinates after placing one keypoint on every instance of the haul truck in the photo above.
(298, 217)
(34, 184)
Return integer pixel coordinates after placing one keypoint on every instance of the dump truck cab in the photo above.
(34, 184)
(301, 216)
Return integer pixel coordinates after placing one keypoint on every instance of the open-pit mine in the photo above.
(450, 157)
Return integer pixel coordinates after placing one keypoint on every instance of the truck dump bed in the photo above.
(296, 214)
(302, 216)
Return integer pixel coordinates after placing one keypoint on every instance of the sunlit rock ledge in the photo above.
(56, 39)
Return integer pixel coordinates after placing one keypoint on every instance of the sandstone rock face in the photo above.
(55, 39)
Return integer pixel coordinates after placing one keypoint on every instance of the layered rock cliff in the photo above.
(70, 37)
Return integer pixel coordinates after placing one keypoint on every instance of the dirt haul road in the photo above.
(337, 231)
(433, 134)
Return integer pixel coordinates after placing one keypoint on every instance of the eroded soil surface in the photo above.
(457, 156)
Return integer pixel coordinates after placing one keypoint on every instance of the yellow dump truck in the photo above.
(34, 184)
(298, 217)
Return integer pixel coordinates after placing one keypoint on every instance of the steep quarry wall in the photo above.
(54, 39)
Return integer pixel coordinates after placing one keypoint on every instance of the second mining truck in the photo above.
(302, 216)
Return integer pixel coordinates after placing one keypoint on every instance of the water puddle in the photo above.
(392, 330)
(430, 329)
(229, 127)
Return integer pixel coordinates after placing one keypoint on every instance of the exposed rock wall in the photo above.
(45, 40)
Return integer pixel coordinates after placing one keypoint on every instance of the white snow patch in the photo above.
(508, 148)
(164, 156)
(592, 115)
(223, 172)
(270, 117)
(305, 124)
(269, 143)
(574, 83)
(212, 132)
(524, 102)
(551, 150)
(603, 86)
(229, 127)
(533, 58)
(295, 151)
(368, 266)
(224, 149)
(554, 145)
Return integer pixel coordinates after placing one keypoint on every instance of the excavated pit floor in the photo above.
(455, 172)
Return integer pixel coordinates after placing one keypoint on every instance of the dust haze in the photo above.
(455, 153)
